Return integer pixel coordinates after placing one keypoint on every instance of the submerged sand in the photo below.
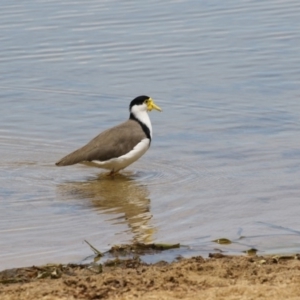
(217, 277)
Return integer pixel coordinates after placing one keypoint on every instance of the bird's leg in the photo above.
(112, 173)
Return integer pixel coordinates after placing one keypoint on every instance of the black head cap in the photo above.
(138, 101)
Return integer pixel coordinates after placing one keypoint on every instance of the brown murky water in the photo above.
(225, 158)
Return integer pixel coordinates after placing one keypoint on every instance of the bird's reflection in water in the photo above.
(120, 195)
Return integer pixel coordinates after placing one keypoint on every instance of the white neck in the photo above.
(142, 115)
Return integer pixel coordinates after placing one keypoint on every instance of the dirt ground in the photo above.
(217, 277)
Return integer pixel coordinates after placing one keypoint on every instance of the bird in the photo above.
(118, 147)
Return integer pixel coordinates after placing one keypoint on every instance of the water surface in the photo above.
(225, 157)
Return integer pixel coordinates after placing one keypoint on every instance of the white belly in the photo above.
(119, 163)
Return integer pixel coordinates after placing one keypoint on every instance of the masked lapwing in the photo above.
(118, 147)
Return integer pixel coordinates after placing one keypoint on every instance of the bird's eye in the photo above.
(146, 101)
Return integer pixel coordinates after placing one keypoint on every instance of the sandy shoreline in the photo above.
(217, 277)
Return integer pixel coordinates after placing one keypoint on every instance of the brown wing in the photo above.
(109, 144)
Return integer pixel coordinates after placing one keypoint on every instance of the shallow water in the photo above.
(225, 158)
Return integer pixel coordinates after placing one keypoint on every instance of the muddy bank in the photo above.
(217, 277)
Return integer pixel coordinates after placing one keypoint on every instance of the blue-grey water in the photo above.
(225, 157)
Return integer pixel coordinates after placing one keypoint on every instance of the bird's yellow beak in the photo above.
(151, 105)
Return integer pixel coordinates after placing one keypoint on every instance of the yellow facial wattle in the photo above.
(151, 105)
